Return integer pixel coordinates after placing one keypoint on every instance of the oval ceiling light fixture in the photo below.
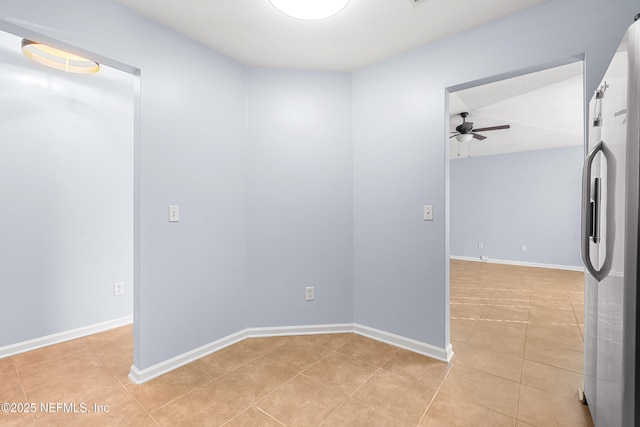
(309, 10)
(58, 59)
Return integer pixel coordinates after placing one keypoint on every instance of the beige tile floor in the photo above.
(516, 333)
(518, 337)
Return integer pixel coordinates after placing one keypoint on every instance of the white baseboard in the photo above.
(277, 331)
(519, 263)
(37, 343)
(419, 347)
(141, 376)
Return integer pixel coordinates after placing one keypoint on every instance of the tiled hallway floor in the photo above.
(518, 337)
(516, 332)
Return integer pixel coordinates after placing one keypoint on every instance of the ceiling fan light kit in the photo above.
(464, 137)
(309, 10)
(465, 132)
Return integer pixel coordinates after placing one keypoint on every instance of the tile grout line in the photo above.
(334, 411)
(297, 374)
(365, 381)
(178, 397)
(24, 390)
(424, 414)
(379, 368)
(257, 409)
(332, 351)
(526, 332)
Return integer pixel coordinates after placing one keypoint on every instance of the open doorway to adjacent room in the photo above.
(67, 167)
(516, 281)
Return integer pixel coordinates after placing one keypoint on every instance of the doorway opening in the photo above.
(68, 150)
(516, 290)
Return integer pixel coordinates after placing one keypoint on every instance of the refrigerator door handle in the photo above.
(591, 212)
(595, 210)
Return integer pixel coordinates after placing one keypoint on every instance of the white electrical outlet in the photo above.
(480, 245)
(309, 293)
(523, 248)
(428, 212)
(118, 288)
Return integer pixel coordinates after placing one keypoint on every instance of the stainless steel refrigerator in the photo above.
(610, 240)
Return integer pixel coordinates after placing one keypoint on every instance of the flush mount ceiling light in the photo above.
(58, 59)
(309, 9)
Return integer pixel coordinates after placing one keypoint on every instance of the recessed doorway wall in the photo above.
(66, 161)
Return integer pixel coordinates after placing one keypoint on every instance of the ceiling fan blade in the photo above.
(453, 136)
(478, 136)
(492, 128)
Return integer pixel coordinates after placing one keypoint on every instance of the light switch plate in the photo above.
(174, 213)
(428, 212)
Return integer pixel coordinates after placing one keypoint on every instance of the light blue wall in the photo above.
(192, 152)
(401, 159)
(196, 279)
(505, 201)
(300, 197)
(66, 167)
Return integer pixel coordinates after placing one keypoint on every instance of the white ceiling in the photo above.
(544, 110)
(254, 33)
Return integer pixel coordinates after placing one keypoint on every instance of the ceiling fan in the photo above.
(466, 131)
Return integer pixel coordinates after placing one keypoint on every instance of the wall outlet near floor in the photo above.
(118, 288)
(309, 293)
(523, 248)
(480, 245)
